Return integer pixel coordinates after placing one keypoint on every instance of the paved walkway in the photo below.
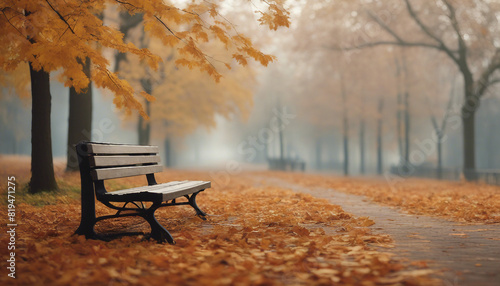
(468, 254)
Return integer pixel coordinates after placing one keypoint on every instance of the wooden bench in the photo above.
(102, 161)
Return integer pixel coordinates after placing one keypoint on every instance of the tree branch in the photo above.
(8, 21)
(493, 82)
(449, 107)
(428, 32)
(387, 43)
(484, 80)
(462, 48)
(384, 26)
(399, 41)
(168, 28)
(60, 16)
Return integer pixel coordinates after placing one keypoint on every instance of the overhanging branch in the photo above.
(484, 80)
(386, 43)
(60, 17)
(399, 41)
(429, 33)
(462, 48)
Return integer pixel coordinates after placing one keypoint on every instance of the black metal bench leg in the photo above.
(158, 232)
(192, 202)
(87, 228)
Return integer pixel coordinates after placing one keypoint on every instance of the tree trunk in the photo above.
(379, 138)
(345, 128)
(282, 143)
(346, 152)
(127, 22)
(407, 127)
(168, 157)
(471, 104)
(42, 168)
(440, 157)
(80, 119)
(362, 146)
(400, 127)
(468, 121)
(143, 125)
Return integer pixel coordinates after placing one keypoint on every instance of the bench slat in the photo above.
(107, 161)
(121, 149)
(112, 173)
(186, 190)
(164, 192)
(144, 188)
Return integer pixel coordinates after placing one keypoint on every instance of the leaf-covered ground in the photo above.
(458, 201)
(254, 236)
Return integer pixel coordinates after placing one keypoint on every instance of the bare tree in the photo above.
(440, 127)
(451, 33)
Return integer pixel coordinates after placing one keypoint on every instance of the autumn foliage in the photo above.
(60, 35)
(254, 235)
(188, 99)
(457, 201)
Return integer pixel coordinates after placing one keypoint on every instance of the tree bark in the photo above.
(143, 125)
(362, 146)
(407, 127)
(468, 120)
(469, 147)
(400, 127)
(440, 157)
(42, 167)
(406, 101)
(469, 108)
(80, 119)
(345, 128)
(127, 22)
(379, 138)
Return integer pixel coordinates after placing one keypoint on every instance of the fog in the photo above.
(315, 105)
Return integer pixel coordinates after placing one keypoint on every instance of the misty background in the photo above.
(338, 104)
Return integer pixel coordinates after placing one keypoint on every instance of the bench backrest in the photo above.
(110, 161)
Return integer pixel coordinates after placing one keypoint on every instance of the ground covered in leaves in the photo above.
(457, 201)
(257, 236)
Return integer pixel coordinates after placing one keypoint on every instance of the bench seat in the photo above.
(99, 162)
(161, 192)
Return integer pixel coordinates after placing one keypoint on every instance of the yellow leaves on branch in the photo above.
(60, 34)
(190, 99)
(15, 82)
(275, 17)
(124, 94)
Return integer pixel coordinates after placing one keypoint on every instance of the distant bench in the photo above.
(102, 161)
(286, 164)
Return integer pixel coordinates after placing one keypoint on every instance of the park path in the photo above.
(467, 254)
